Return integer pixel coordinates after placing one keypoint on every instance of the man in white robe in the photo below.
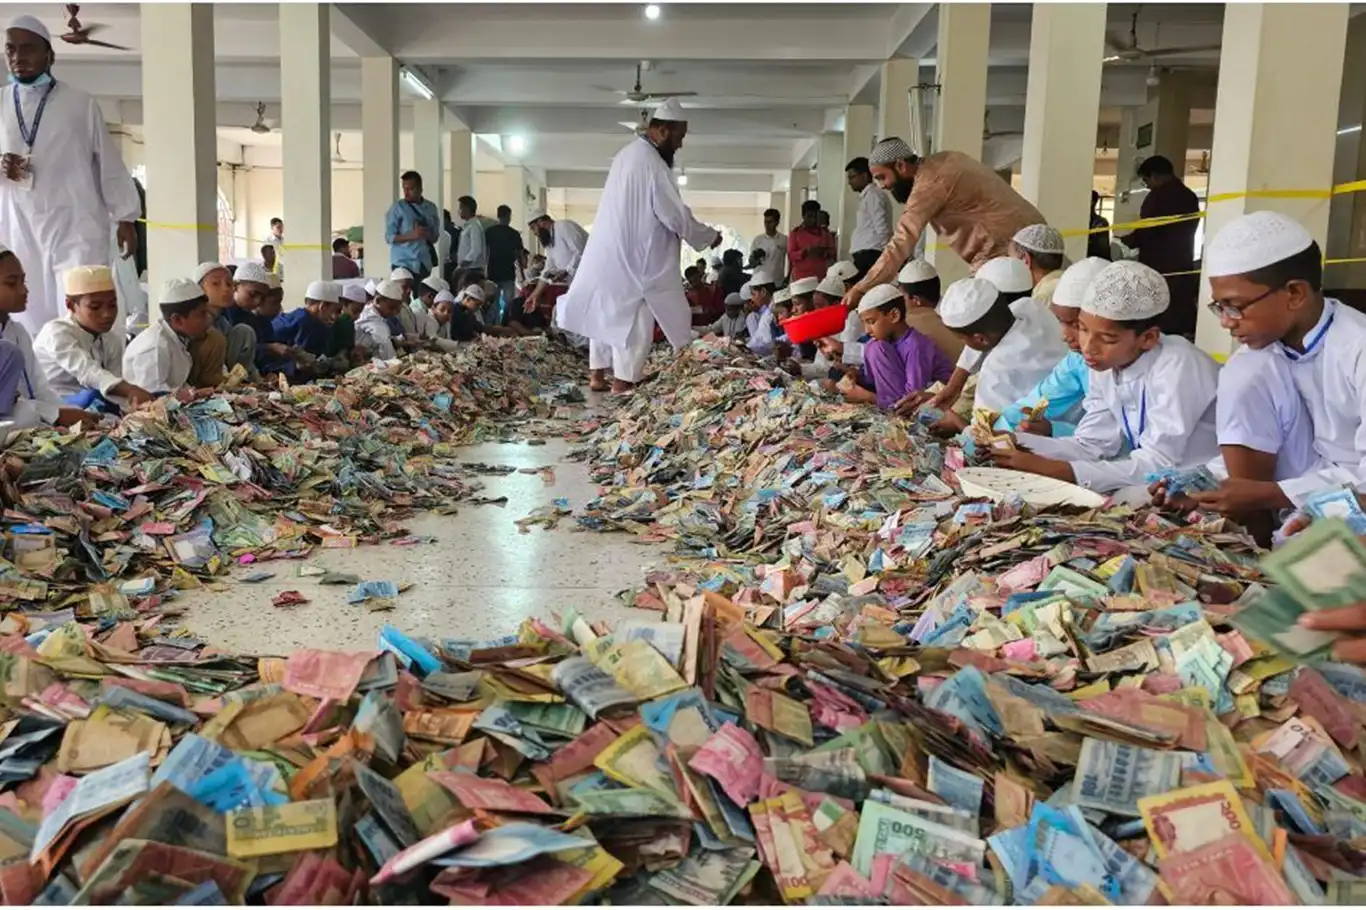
(629, 276)
(62, 180)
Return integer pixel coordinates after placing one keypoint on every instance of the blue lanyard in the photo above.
(1313, 343)
(1142, 421)
(30, 136)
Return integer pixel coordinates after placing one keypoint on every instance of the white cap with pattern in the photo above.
(1254, 242)
(254, 272)
(400, 274)
(88, 279)
(389, 288)
(879, 296)
(180, 290)
(803, 286)
(844, 270)
(916, 271)
(1039, 238)
(967, 301)
(670, 110)
(436, 283)
(782, 295)
(831, 285)
(354, 293)
(444, 297)
(1072, 286)
(205, 269)
(1010, 275)
(1126, 290)
(325, 291)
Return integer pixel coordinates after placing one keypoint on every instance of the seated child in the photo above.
(158, 359)
(422, 301)
(919, 283)
(1065, 388)
(25, 399)
(80, 355)
(373, 333)
(1009, 342)
(898, 359)
(341, 342)
(225, 345)
(1150, 405)
(759, 323)
(309, 329)
(732, 323)
(272, 354)
(1041, 249)
(844, 271)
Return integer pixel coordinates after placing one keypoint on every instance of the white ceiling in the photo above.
(769, 78)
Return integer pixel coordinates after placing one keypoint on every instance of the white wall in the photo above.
(743, 213)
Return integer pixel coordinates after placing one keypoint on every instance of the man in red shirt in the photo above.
(810, 248)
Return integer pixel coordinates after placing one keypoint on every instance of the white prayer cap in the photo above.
(473, 292)
(1126, 290)
(1071, 288)
(88, 279)
(878, 296)
(916, 271)
(272, 281)
(967, 301)
(444, 297)
(180, 290)
(831, 286)
(746, 291)
(537, 216)
(762, 276)
(325, 291)
(1254, 242)
(252, 271)
(204, 269)
(1010, 275)
(354, 293)
(734, 299)
(436, 283)
(31, 24)
(371, 286)
(782, 295)
(389, 288)
(803, 286)
(844, 270)
(400, 274)
(670, 110)
(890, 150)
(1039, 238)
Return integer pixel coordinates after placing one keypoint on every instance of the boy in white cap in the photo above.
(898, 359)
(405, 281)
(79, 354)
(732, 323)
(919, 283)
(341, 342)
(225, 345)
(308, 330)
(158, 359)
(374, 334)
(1064, 389)
(1150, 405)
(1041, 249)
(761, 325)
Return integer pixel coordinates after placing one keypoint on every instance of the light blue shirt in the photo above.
(1065, 388)
(403, 218)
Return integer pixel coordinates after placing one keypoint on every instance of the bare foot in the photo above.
(620, 387)
(597, 381)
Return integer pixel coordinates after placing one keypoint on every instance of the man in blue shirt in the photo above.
(412, 227)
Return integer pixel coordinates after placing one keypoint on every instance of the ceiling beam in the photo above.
(353, 25)
(726, 182)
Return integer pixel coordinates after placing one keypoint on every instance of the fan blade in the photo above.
(658, 94)
(116, 47)
(90, 29)
(1179, 51)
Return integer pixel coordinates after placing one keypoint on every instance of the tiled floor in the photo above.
(479, 580)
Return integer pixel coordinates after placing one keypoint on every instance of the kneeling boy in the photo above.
(80, 355)
(898, 359)
(158, 359)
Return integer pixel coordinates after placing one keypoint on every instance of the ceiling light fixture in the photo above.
(414, 82)
(682, 178)
(1349, 129)
(516, 144)
(652, 11)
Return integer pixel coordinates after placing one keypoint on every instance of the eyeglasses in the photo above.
(1235, 313)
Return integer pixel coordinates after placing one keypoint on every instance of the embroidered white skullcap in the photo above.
(1254, 242)
(831, 285)
(272, 281)
(325, 291)
(1126, 290)
(746, 291)
(1010, 275)
(1039, 238)
(537, 216)
(890, 150)
(31, 24)
(354, 293)
(782, 295)
(916, 271)
(844, 270)
(670, 110)
(967, 301)
(204, 269)
(444, 297)
(371, 287)
(436, 283)
(389, 288)
(180, 290)
(803, 286)
(254, 272)
(400, 274)
(878, 296)
(1071, 288)
(88, 279)
(473, 292)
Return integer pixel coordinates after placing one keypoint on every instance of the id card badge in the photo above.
(25, 181)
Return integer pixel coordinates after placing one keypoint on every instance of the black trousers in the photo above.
(863, 261)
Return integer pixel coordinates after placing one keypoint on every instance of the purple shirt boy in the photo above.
(908, 364)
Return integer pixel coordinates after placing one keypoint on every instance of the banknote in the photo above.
(168, 815)
(948, 816)
(1340, 503)
(125, 699)
(510, 844)
(704, 877)
(1346, 892)
(1183, 820)
(933, 884)
(1012, 801)
(641, 670)
(1113, 776)
(785, 857)
(1273, 618)
(883, 829)
(779, 714)
(1319, 700)
(290, 828)
(588, 687)
(836, 772)
(632, 802)
(1323, 566)
(955, 787)
(684, 718)
(452, 686)
(442, 842)
(474, 792)
(734, 759)
(95, 794)
(1228, 871)
(387, 801)
(326, 674)
(635, 760)
(135, 859)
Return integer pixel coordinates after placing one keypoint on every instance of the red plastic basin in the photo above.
(822, 323)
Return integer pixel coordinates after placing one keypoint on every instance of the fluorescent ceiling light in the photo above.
(413, 82)
(682, 179)
(652, 11)
(516, 144)
(1349, 129)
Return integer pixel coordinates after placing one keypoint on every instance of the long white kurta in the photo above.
(80, 189)
(37, 404)
(632, 259)
(1024, 357)
(1259, 408)
(73, 358)
(1166, 401)
(158, 359)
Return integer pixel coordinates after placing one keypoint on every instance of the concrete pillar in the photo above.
(461, 174)
(306, 106)
(1267, 82)
(778, 200)
(428, 117)
(799, 182)
(1127, 198)
(180, 141)
(894, 99)
(830, 186)
(1347, 216)
(1172, 126)
(515, 181)
(858, 141)
(1062, 105)
(379, 151)
(960, 110)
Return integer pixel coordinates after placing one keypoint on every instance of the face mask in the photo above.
(40, 79)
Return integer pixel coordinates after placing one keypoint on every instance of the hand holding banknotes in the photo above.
(1239, 496)
(1350, 620)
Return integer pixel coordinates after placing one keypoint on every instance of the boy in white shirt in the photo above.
(158, 359)
(80, 355)
(1150, 402)
(373, 334)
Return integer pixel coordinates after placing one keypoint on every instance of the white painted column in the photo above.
(1127, 198)
(778, 200)
(306, 109)
(1275, 123)
(428, 135)
(1062, 105)
(515, 181)
(797, 185)
(1347, 221)
(830, 176)
(960, 109)
(858, 141)
(180, 139)
(379, 152)
(894, 98)
(461, 174)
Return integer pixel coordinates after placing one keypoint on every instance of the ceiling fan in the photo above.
(1129, 51)
(637, 95)
(260, 127)
(80, 34)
